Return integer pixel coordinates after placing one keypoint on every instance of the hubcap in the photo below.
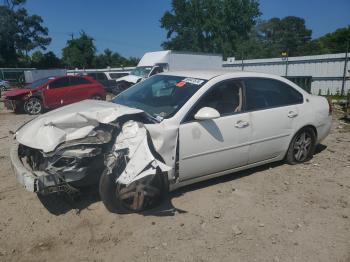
(138, 194)
(33, 106)
(302, 146)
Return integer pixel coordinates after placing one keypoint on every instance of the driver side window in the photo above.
(225, 97)
(62, 82)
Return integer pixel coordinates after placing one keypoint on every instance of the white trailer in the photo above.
(33, 75)
(161, 61)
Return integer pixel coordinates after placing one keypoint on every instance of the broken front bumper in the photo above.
(40, 181)
(24, 176)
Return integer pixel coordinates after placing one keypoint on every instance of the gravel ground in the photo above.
(275, 212)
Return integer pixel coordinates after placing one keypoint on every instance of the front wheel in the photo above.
(302, 146)
(33, 106)
(135, 197)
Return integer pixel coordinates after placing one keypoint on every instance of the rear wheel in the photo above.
(135, 197)
(33, 106)
(302, 146)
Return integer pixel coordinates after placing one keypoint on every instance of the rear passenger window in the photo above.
(266, 93)
(78, 81)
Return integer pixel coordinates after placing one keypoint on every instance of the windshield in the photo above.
(142, 71)
(38, 83)
(161, 96)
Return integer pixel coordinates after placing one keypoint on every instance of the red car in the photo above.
(53, 92)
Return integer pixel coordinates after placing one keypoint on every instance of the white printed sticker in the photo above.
(193, 81)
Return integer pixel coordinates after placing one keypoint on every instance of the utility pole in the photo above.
(242, 63)
(345, 67)
(285, 57)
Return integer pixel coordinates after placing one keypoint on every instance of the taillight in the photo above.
(330, 110)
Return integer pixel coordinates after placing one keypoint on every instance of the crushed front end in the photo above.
(72, 165)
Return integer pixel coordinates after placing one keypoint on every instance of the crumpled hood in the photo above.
(18, 91)
(68, 123)
(130, 78)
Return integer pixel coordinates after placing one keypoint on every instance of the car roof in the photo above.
(209, 74)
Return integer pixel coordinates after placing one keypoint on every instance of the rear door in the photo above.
(274, 108)
(79, 89)
(56, 93)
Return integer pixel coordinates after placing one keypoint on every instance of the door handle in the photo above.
(241, 124)
(292, 114)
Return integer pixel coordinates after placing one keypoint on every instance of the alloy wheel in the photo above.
(302, 146)
(33, 106)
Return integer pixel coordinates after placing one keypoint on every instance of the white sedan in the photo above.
(168, 131)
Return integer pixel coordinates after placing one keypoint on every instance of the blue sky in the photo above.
(132, 27)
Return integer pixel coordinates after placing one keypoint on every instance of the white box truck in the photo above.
(161, 61)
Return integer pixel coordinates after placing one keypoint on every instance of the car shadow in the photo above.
(319, 148)
(62, 203)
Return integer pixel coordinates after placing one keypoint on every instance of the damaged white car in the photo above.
(168, 131)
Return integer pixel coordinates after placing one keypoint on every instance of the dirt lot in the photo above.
(273, 213)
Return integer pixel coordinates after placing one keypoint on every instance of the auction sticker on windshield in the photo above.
(193, 81)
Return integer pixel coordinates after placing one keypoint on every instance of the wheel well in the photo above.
(34, 95)
(312, 127)
(307, 126)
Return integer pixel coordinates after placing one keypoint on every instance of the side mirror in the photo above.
(207, 113)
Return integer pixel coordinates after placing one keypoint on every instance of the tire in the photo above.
(33, 106)
(302, 146)
(136, 197)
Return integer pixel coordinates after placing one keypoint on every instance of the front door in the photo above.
(211, 146)
(56, 93)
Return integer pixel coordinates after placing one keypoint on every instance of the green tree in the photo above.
(108, 58)
(43, 61)
(272, 37)
(113, 59)
(335, 42)
(132, 61)
(79, 52)
(208, 25)
(20, 33)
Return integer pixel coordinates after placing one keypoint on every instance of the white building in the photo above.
(326, 70)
